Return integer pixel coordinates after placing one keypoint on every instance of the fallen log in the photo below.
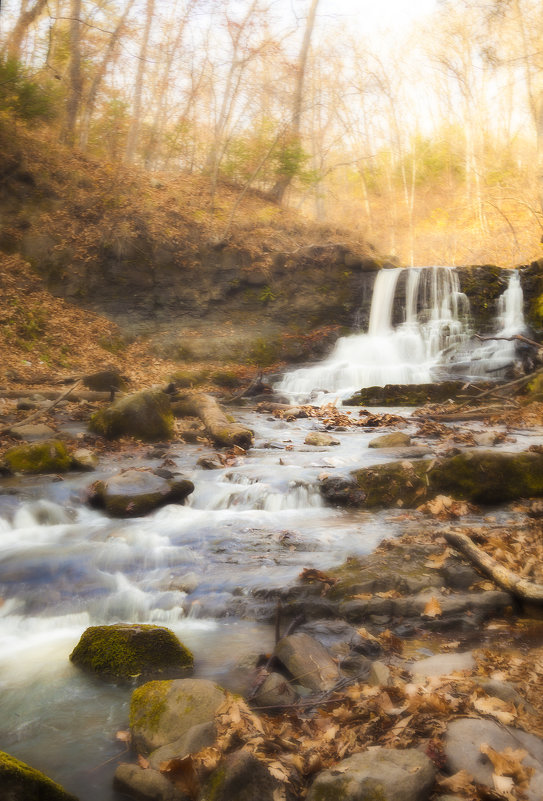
(51, 394)
(501, 575)
(222, 431)
(40, 412)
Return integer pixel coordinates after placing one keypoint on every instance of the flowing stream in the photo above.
(252, 525)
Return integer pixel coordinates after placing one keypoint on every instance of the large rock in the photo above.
(463, 750)
(163, 711)
(242, 777)
(377, 775)
(308, 661)
(479, 476)
(146, 783)
(20, 782)
(42, 457)
(137, 492)
(274, 693)
(397, 439)
(413, 394)
(32, 433)
(201, 736)
(443, 664)
(320, 439)
(126, 653)
(146, 415)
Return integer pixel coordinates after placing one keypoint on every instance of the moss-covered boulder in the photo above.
(485, 477)
(39, 457)
(137, 492)
(163, 711)
(20, 782)
(414, 394)
(127, 653)
(146, 415)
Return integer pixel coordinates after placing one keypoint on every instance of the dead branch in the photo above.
(39, 412)
(517, 382)
(520, 337)
(501, 575)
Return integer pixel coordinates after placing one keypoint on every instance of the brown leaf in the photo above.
(502, 711)
(432, 608)
(182, 773)
(123, 736)
(143, 762)
(460, 782)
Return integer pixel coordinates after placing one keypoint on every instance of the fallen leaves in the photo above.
(494, 707)
(432, 609)
(446, 508)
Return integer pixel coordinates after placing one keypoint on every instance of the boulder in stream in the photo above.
(40, 457)
(136, 492)
(20, 782)
(146, 415)
(243, 777)
(126, 653)
(163, 711)
(309, 662)
(480, 476)
(382, 773)
(146, 783)
(320, 439)
(397, 439)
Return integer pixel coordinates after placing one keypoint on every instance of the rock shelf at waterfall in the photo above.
(428, 337)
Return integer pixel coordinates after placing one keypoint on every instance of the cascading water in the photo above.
(435, 318)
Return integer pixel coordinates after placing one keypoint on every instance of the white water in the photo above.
(435, 318)
(434, 336)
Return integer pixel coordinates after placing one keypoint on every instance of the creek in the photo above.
(253, 524)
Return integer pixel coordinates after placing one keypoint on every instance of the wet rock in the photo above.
(275, 693)
(43, 457)
(505, 691)
(413, 394)
(145, 784)
(356, 665)
(395, 440)
(163, 711)
(320, 439)
(382, 773)
(32, 433)
(201, 736)
(307, 661)
(124, 653)
(20, 782)
(209, 463)
(480, 476)
(185, 583)
(486, 439)
(463, 750)
(342, 492)
(84, 459)
(137, 492)
(146, 415)
(379, 675)
(443, 664)
(332, 633)
(242, 777)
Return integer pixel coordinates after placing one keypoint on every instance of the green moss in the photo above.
(19, 781)
(146, 415)
(126, 652)
(225, 378)
(148, 704)
(40, 457)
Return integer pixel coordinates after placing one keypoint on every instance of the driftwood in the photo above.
(451, 417)
(512, 338)
(501, 575)
(222, 431)
(39, 412)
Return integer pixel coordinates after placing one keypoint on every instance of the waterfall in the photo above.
(435, 318)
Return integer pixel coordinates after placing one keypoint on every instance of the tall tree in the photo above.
(27, 16)
(75, 76)
(133, 131)
(292, 135)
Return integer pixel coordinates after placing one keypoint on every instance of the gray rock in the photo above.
(137, 492)
(381, 773)
(201, 736)
(32, 433)
(242, 777)
(356, 665)
(163, 711)
(463, 750)
(379, 675)
(274, 693)
(395, 440)
(84, 459)
(443, 664)
(146, 784)
(209, 463)
(486, 439)
(320, 439)
(308, 661)
(505, 691)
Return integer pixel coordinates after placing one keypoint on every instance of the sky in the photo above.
(377, 15)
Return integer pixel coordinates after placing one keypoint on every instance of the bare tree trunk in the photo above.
(133, 132)
(98, 78)
(12, 49)
(283, 182)
(76, 81)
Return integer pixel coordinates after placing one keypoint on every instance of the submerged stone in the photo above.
(146, 415)
(124, 653)
(309, 662)
(42, 457)
(20, 782)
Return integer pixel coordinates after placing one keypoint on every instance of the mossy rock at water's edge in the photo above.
(415, 394)
(127, 653)
(20, 782)
(146, 415)
(487, 477)
(39, 457)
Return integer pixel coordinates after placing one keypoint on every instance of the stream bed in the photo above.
(253, 524)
